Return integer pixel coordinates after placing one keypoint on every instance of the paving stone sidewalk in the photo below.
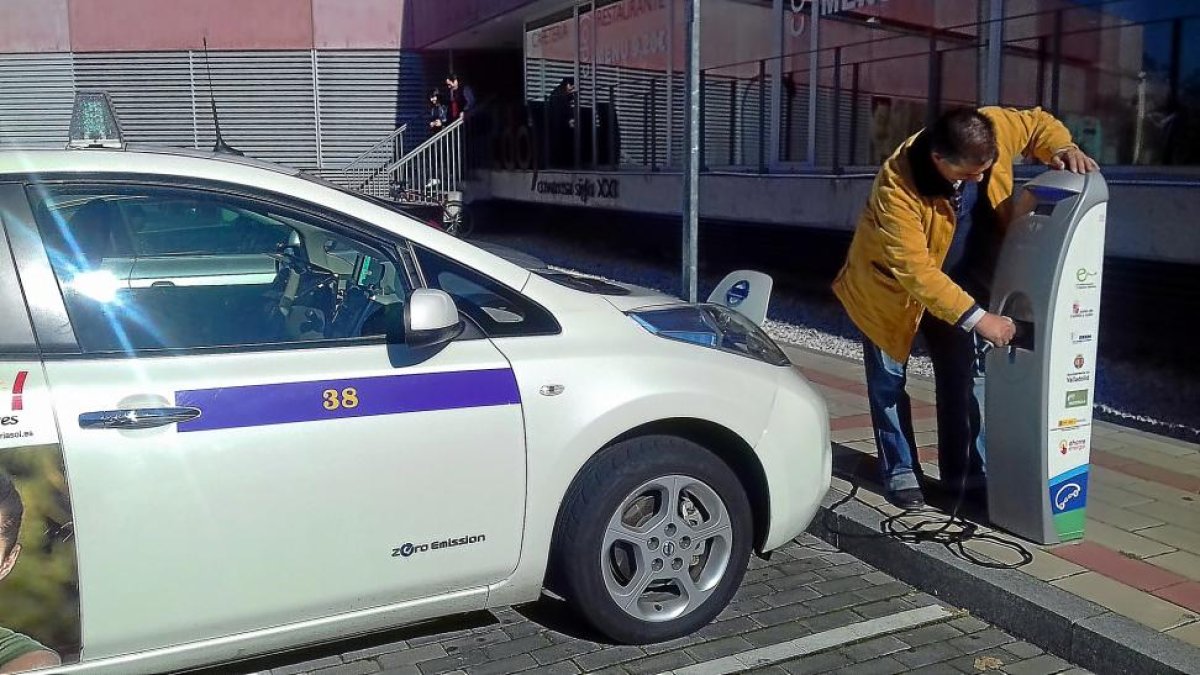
(1140, 555)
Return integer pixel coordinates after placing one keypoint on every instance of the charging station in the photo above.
(1039, 389)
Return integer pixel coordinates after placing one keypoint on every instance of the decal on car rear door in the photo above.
(39, 581)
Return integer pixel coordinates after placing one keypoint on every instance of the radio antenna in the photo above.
(220, 146)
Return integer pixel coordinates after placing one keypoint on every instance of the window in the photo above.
(145, 268)
(499, 311)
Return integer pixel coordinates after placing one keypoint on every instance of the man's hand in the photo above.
(996, 329)
(1074, 160)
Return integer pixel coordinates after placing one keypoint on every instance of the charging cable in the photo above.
(952, 530)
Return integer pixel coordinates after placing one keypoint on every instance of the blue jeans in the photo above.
(958, 374)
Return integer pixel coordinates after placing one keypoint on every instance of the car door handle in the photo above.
(136, 418)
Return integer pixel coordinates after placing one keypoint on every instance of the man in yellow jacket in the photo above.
(921, 260)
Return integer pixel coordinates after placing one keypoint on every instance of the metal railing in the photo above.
(365, 171)
(430, 174)
(845, 107)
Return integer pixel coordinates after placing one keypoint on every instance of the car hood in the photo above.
(621, 295)
(639, 297)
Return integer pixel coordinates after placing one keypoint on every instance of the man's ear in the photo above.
(9, 561)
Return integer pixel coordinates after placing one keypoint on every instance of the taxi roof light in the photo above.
(94, 122)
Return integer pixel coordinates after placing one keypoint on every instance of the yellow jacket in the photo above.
(893, 271)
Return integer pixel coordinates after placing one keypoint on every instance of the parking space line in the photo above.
(810, 644)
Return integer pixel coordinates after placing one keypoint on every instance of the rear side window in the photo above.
(148, 268)
(500, 311)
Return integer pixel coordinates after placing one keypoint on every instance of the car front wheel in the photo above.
(653, 539)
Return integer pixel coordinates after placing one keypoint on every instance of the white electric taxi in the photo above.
(244, 411)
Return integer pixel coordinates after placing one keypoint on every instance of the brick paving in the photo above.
(1140, 555)
(807, 587)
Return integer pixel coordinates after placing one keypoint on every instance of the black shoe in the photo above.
(910, 498)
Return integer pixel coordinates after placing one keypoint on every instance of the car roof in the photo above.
(254, 174)
(43, 159)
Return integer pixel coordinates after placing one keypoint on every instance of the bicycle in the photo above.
(455, 221)
(452, 217)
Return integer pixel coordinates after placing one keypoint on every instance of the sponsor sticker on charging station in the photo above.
(1072, 375)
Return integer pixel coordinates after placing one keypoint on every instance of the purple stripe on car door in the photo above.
(285, 403)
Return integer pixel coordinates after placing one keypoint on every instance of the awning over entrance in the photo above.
(475, 24)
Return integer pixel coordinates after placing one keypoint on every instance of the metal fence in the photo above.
(316, 110)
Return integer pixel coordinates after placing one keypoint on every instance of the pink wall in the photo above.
(137, 25)
(34, 26)
(357, 24)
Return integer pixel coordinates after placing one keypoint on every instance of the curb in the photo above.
(1062, 623)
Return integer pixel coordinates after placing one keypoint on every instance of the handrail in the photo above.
(427, 174)
(398, 132)
(424, 146)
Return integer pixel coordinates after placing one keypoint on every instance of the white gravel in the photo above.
(921, 366)
(801, 336)
(812, 338)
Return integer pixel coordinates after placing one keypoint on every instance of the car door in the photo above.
(39, 584)
(294, 465)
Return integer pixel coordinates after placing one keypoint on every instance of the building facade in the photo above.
(801, 99)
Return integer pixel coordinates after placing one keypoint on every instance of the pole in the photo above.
(1056, 72)
(762, 116)
(774, 142)
(934, 99)
(995, 52)
(853, 160)
(595, 94)
(670, 83)
(691, 174)
(814, 79)
(703, 122)
(575, 137)
(837, 109)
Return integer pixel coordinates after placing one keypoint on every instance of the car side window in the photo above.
(149, 268)
(498, 310)
(176, 226)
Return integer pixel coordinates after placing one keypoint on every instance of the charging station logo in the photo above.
(1080, 375)
(1085, 279)
(1066, 447)
(738, 293)
(1079, 311)
(1068, 491)
(1077, 398)
(1067, 494)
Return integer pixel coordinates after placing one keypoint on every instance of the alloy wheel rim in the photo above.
(666, 548)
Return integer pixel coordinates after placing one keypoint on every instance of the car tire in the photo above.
(640, 516)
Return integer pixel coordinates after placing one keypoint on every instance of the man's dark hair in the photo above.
(452, 77)
(964, 136)
(12, 509)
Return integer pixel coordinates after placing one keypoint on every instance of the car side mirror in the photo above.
(430, 319)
